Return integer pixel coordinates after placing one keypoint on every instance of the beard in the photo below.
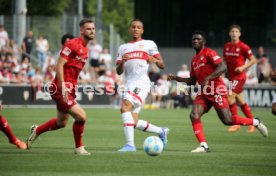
(88, 37)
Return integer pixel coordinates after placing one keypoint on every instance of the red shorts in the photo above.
(207, 101)
(63, 106)
(237, 85)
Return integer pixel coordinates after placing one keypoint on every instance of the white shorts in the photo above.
(135, 95)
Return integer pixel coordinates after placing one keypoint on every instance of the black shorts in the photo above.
(94, 63)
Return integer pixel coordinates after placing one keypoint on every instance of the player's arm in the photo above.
(220, 69)
(188, 81)
(158, 60)
(120, 65)
(60, 75)
(252, 61)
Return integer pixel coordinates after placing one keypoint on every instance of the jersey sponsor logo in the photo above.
(231, 54)
(216, 58)
(198, 66)
(81, 59)
(66, 51)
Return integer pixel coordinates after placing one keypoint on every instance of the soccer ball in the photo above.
(153, 146)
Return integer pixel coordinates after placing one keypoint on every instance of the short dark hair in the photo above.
(200, 32)
(85, 20)
(137, 20)
(235, 26)
(65, 37)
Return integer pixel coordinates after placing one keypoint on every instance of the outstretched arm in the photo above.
(188, 81)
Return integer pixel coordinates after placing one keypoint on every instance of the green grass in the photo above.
(236, 154)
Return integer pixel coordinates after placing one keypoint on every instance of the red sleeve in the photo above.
(67, 51)
(214, 58)
(192, 72)
(246, 51)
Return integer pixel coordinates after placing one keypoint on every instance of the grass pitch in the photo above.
(232, 154)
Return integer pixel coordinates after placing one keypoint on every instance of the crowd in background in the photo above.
(32, 63)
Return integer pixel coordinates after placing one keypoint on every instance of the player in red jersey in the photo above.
(206, 68)
(6, 129)
(73, 57)
(235, 54)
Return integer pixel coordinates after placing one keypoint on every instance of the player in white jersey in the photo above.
(134, 59)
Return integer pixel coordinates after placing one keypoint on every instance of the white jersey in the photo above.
(136, 67)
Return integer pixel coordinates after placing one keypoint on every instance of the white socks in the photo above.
(128, 123)
(146, 126)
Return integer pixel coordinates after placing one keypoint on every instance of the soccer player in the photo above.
(206, 68)
(134, 59)
(73, 57)
(6, 129)
(235, 54)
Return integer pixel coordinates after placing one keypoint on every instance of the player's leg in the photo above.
(148, 127)
(128, 123)
(228, 119)
(199, 108)
(6, 129)
(234, 110)
(53, 124)
(78, 113)
(246, 110)
(273, 108)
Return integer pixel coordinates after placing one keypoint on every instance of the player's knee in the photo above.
(62, 124)
(273, 109)
(194, 116)
(82, 116)
(227, 121)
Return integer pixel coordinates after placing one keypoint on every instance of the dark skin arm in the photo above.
(220, 69)
(120, 66)
(188, 81)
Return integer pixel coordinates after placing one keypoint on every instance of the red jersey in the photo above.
(76, 53)
(235, 56)
(203, 64)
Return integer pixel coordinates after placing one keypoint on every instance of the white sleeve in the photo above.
(153, 50)
(119, 54)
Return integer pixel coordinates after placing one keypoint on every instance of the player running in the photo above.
(73, 57)
(235, 53)
(206, 68)
(6, 129)
(134, 59)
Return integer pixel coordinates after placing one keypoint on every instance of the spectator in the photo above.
(85, 77)
(106, 59)
(27, 45)
(264, 67)
(95, 50)
(184, 72)
(4, 37)
(42, 47)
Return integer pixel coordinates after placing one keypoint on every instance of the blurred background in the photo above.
(31, 31)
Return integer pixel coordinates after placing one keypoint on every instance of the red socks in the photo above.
(198, 130)
(78, 129)
(48, 126)
(237, 120)
(4, 126)
(234, 109)
(247, 111)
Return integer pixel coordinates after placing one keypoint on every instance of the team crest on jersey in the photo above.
(201, 58)
(249, 52)
(227, 49)
(81, 51)
(141, 46)
(237, 49)
(66, 51)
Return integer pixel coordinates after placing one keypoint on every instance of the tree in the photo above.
(116, 12)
